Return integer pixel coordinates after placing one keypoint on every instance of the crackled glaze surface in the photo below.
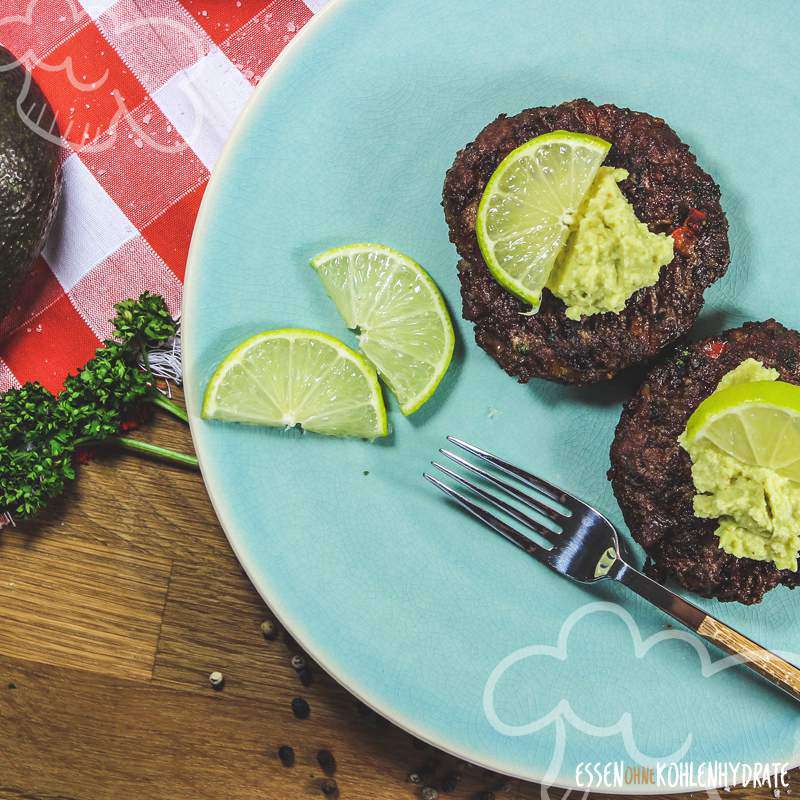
(411, 605)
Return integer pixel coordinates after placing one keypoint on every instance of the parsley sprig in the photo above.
(41, 433)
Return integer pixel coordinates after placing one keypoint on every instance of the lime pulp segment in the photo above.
(403, 326)
(529, 203)
(293, 376)
(757, 423)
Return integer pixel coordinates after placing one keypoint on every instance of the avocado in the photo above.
(30, 175)
(758, 510)
(610, 254)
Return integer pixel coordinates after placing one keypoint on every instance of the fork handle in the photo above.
(784, 675)
(769, 665)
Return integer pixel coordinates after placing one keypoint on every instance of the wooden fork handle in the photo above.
(783, 674)
(769, 665)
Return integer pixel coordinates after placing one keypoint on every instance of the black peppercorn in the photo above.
(329, 788)
(327, 762)
(414, 777)
(269, 630)
(300, 708)
(429, 793)
(298, 663)
(306, 676)
(286, 755)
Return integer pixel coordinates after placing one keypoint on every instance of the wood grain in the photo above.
(77, 604)
(786, 675)
(116, 606)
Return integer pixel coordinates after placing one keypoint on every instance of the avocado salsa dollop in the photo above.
(610, 253)
(758, 509)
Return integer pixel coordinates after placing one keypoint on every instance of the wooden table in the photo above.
(117, 605)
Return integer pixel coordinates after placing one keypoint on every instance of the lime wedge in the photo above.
(527, 208)
(757, 423)
(402, 323)
(293, 377)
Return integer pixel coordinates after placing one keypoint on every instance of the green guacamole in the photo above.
(610, 254)
(758, 510)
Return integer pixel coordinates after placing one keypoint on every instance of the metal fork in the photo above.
(585, 548)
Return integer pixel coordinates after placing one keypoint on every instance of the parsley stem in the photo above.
(155, 450)
(168, 405)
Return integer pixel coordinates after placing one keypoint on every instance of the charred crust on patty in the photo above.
(665, 185)
(651, 473)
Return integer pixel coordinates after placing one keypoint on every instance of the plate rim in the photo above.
(202, 224)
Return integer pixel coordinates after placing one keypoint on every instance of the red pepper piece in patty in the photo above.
(686, 234)
(694, 219)
(684, 240)
(714, 348)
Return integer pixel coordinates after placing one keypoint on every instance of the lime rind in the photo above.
(274, 413)
(389, 317)
(544, 211)
(758, 423)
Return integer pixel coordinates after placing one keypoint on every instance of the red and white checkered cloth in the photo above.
(146, 93)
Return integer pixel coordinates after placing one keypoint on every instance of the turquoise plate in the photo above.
(437, 624)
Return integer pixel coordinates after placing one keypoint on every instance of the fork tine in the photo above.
(542, 508)
(518, 515)
(546, 488)
(489, 519)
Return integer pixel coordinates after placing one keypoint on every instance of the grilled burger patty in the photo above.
(665, 184)
(651, 473)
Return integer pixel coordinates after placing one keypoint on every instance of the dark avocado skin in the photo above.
(30, 179)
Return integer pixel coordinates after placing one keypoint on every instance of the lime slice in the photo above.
(297, 377)
(393, 304)
(527, 208)
(756, 423)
